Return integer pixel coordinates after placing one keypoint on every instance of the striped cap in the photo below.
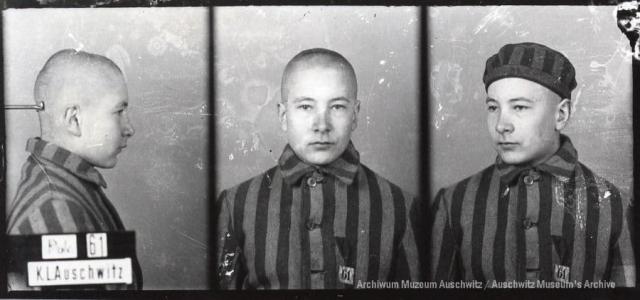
(534, 62)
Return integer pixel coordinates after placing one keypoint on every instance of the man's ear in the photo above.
(356, 110)
(563, 114)
(282, 115)
(72, 120)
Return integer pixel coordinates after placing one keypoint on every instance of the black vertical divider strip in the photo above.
(3, 184)
(636, 160)
(423, 136)
(213, 218)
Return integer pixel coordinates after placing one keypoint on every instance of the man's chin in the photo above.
(106, 166)
(512, 159)
(110, 164)
(319, 160)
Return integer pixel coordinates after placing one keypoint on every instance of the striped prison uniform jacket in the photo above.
(556, 222)
(59, 192)
(302, 227)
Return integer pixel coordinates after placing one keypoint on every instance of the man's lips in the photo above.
(321, 143)
(321, 146)
(507, 145)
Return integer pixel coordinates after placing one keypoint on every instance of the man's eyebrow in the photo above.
(340, 99)
(300, 99)
(520, 99)
(510, 100)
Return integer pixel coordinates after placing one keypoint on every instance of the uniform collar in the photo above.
(65, 159)
(561, 164)
(344, 168)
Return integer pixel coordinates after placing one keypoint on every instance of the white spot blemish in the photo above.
(200, 164)
(383, 62)
(80, 45)
(157, 46)
(381, 81)
(231, 156)
(628, 5)
(497, 15)
(579, 201)
(607, 194)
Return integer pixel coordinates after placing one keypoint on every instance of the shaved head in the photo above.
(319, 107)
(317, 58)
(70, 78)
(85, 106)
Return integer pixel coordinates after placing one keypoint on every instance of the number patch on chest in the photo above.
(561, 273)
(346, 274)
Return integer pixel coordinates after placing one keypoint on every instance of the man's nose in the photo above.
(322, 121)
(128, 129)
(504, 123)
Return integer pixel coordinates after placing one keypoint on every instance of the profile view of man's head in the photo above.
(85, 106)
(319, 107)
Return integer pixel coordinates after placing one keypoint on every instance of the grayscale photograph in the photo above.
(107, 160)
(531, 147)
(317, 147)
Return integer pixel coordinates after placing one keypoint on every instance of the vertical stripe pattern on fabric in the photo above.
(304, 227)
(513, 223)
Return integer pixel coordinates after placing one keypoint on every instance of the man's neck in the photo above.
(553, 149)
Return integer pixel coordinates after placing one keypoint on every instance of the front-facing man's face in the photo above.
(320, 112)
(524, 120)
(105, 124)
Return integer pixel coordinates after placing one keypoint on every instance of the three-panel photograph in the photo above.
(195, 150)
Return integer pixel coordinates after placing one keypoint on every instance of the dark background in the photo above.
(159, 185)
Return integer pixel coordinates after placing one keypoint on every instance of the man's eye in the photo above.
(520, 108)
(339, 106)
(305, 106)
(492, 108)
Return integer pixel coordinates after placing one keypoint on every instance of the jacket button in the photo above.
(312, 226)
(311, 181)
(527, 223)
(528, 180)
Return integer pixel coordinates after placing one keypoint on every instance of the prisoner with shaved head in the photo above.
(319, 219)
(84, 125)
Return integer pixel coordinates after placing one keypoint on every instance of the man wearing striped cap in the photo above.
(319, 219)
(84, 125)
(537, 214)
